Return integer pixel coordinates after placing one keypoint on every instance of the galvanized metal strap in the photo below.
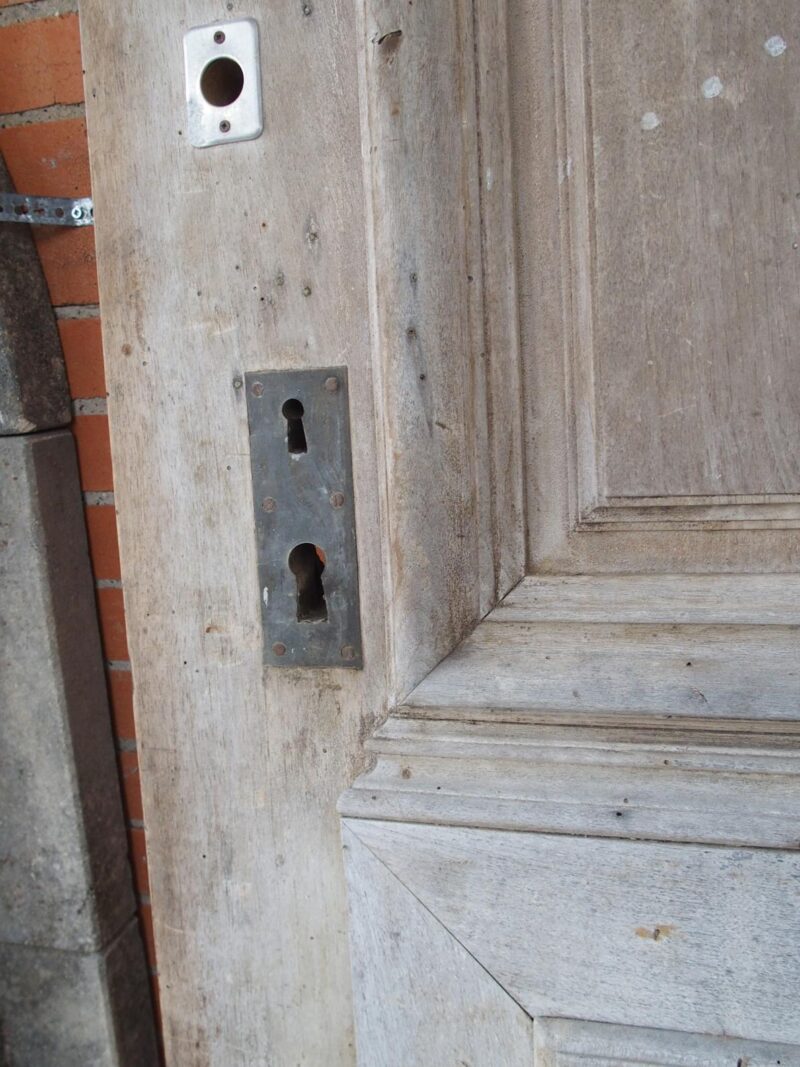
(46, 210)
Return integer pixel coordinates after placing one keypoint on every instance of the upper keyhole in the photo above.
(295, 433)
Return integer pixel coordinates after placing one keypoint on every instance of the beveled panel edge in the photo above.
(702, 786)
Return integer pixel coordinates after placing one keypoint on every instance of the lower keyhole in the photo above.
(307, 562)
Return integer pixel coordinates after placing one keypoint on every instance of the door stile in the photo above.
(261, 255)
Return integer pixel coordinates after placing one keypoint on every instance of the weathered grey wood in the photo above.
(694, 285)
(268, 254)
(562, 1042)
(672, 598)
(452, 528)
(259, 259)
(595, 670)
(501, 314)
(213, 263)
(736, 790)
(656, 252)
(678, 937)
(421, 999)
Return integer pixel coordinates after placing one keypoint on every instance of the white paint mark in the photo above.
(489, 179)
(265, 595)
(564, 169)
(712, 87)
(650, 121)
(775, 46)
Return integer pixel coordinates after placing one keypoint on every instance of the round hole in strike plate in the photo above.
(222, 81)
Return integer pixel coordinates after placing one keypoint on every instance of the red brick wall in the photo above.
(43, 140)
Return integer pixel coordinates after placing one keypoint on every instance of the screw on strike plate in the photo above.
(219, 37)
(224, 126)
(331, 384)
(258, 389)
(268, 503)
(348, 652)
(279, 648)
(337, 500)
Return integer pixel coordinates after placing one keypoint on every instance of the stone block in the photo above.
(72, 1009)
(33, 382)
(65, 880)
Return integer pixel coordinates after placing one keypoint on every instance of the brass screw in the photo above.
(331, 384)
(337, 499)
(279, 648)
(268, 504)
(348, 652)
(258, 389)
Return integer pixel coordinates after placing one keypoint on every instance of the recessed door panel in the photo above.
(658, 194)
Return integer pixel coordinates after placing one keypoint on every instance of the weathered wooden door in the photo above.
(554, 242)
(578, 843)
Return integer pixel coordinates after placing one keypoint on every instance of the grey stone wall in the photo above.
(74, 990)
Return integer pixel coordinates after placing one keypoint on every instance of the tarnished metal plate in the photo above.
(305, 517)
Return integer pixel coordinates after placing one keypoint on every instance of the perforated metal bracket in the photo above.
(305, 517)
(46, 210)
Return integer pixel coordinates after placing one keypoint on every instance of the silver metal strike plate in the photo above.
(223, 83)
(305, 517)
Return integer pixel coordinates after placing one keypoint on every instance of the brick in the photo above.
(101, 525)
(69, 264)
(128, 763)
(94, 452)
(146, 923)
(138, 852)
(120, 687)
(52, 159)
(111, 610)
(48, 158)
(40, 64)
(82, 344)
(155, 992)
